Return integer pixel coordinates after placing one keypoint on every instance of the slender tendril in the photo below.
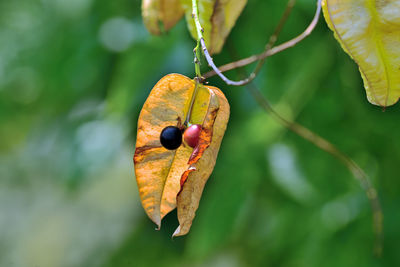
(199, 29)
(273, 38)
(197, 55)
(189, 114)
(326, 146)
(300, 130)
(268, 52)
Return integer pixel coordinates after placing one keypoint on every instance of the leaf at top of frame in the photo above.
(369, 31)
(161, 15)
(217, 17)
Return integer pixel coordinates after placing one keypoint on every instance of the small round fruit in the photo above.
(171, 137)
(192, 134)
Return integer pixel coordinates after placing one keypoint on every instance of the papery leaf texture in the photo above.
(202, 160)
(369, 31)
(217, 17)
(175, 178)
(161, 15)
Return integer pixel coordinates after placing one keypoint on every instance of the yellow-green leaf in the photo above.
(217, 17)
(369, 31)
(159, 15)
(161, 173)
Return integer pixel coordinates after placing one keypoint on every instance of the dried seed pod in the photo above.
(169, 179)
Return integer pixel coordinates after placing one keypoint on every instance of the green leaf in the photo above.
(369, 31)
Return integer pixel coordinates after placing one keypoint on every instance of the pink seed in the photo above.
(192, 134)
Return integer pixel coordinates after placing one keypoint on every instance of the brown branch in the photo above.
(267, 52)
(270, 43)
(328, 147)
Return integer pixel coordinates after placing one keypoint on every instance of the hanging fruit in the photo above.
(171, 174)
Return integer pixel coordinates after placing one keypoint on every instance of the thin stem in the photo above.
(195, 16)
(189, 114)
(197, 55)
(270, 43)
(196, 52)
(326, 146)
(199, 29)
(273, 38)
(217, 71)
(267, 52)
(200, 38)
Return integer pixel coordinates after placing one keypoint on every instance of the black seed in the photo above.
(171, 137)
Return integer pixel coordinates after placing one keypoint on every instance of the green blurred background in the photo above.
(74, 75)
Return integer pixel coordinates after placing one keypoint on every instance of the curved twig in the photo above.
(328, 147)
(325, 145)
(305, 133)
(268, 52)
